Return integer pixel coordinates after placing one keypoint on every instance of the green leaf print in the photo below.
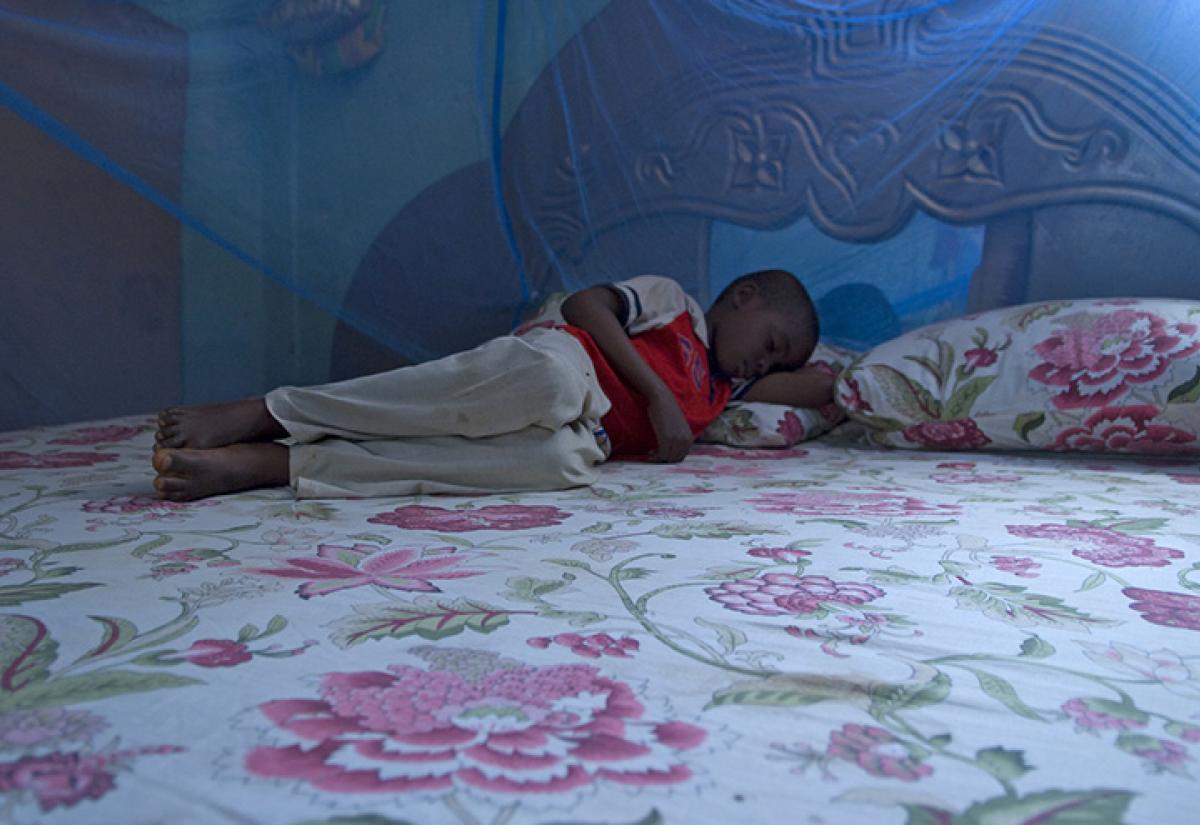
(529, 589)
(908, 397)
(1011, 604)
(730, 638)
(1036, 647)
(889, 698)
(1136, 526)
(90, 687)
(149, 546)
(82, 546)
(1097, 807)
(1004, 693)
(1041, 311)
(652, 818)
(925, 815)
(26, 652)
(1186, 393)
(1025, 423)
(791, 690)
(117, 633)
(710, 530)
(15, 594)
(361, 819)
(965, 396)
(1003, 764)
(932, 367)
(428, 618)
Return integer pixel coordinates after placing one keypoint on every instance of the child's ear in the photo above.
(744, 293)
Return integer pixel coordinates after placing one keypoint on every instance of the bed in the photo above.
(824, 632)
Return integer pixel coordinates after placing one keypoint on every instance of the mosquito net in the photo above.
(202, 199)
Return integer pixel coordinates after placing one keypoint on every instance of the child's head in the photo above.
(762, 322)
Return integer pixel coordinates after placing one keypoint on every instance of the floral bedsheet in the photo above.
(823, 635)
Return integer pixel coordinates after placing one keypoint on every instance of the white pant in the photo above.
(512, 414)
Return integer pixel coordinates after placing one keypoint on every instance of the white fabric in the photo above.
(652, 301)
(512, 414)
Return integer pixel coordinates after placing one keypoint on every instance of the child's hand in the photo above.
(671, 428)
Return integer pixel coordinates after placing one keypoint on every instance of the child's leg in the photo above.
(544, 379)
(184, 475)
(532, 459)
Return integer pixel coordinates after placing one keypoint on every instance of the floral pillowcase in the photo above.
(1096, 375)
(752, 424)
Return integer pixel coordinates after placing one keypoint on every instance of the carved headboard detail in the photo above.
(795, 126)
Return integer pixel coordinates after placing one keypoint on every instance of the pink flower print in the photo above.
(720, 470)
(1184, 479)
(786, 594)
(1164, 608)
(959, 434)
(781, 554)
(1125, 429)
(189, 554)
(87, 436)
(742, 455)
(1108, 548)
(956, 465)
(1094, 361)
(850, 398)
(340, 568)
(1166, 754)
(1102, 714)
(142, 504)
(8, 564)
(57, 779)
(980, 357)
(515, 730)
(66, 779)
(46, 727)
(217, 653)
(11, 460)
(1160, 755)
(791, 428)
(1163, 666)
(590, 647)
(1017, 565)
(845, 503)
(491, 517)
(1188, 733)
(877, 752)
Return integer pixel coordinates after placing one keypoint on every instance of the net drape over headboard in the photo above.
(205, 200)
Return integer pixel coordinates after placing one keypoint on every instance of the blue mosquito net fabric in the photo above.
(204, 199)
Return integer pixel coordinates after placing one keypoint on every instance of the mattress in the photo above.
(823, 634)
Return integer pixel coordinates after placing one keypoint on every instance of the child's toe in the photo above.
(161, 462)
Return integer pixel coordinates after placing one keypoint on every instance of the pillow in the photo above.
(1096, 375)
(754, 424)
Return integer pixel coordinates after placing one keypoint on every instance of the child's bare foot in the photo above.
(186, 475)
(215, 425)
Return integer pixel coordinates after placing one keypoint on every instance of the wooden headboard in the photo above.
(764, 130)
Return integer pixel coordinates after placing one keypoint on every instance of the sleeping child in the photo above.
(631, 370)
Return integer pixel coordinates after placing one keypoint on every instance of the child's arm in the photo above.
(596, 310)
(805, 387)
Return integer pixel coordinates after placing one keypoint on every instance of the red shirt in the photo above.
(680, 359)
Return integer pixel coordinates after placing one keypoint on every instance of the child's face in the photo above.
(754, 339)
